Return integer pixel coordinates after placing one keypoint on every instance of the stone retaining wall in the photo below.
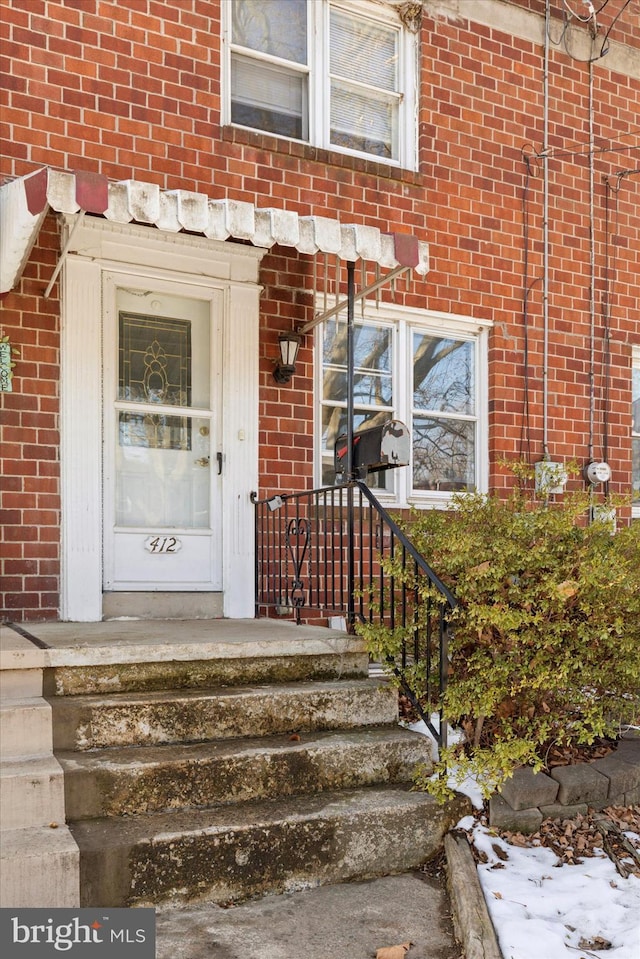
(528, 798)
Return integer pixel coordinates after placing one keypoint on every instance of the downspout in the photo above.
(545, 238)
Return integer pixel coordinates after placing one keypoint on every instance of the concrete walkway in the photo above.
(347, 921)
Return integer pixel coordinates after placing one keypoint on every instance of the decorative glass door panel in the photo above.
(163, 486)
(161, 478)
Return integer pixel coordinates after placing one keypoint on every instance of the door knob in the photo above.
(203, 461)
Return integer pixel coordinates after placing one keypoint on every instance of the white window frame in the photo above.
(404, 321)
(319, 79)
(635, 365)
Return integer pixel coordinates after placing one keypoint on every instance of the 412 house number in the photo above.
(162, 544)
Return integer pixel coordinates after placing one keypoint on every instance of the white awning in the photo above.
(24, 203)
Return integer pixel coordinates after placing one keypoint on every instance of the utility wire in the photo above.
(552, 154)
(611, 26)
(591, 19)
(572, 13)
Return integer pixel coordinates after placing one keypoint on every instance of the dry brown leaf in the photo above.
(499, 851)
(597, 942)
(515, 839)
(393, 952)
(498, 895)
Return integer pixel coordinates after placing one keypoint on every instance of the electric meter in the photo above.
(598, 473)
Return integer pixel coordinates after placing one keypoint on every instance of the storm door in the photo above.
(162, 458)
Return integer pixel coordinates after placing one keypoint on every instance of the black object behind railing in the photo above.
(337, 550)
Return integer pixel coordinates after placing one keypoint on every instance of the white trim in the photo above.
(318, 77)
(81, 442)
(230, 271)
(392, 315)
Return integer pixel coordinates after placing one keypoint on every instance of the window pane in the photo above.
(371, 390)
(364, 51)
(334, 423)
(276, 27)
(382, 480)
(373, 387)
(443, 374)
(367, 123)
(159, 482)
(371, 346)
(268, 98)
(443, 454)
(367, 53)
(372, 364)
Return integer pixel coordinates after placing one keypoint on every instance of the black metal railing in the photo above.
(338, 551)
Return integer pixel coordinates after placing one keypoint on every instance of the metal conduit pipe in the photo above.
(592, 267)
(545, 237)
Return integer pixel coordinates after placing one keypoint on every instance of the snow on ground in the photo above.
(544, 909)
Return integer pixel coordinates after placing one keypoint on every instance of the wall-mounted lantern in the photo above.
(289, 344)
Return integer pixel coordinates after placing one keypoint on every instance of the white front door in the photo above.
(163, 463)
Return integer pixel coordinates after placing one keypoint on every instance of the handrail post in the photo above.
(351, 612)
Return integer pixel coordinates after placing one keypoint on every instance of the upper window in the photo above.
(635, 433)
(333, 73)
(427, 370)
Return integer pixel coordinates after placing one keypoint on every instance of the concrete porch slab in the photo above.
(40, 645)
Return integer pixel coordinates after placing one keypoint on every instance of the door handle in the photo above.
(219, 459)
(203, 461)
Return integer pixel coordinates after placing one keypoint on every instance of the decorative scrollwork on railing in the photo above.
(334, 550)
(297, 541)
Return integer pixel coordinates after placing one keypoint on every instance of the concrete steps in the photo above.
(227, 854)
(173, 716)
(112, 782)
(179, 786)
(26, 727)
(39, 860)
(31, 786)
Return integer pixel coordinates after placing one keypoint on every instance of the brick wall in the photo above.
(132, 89)
(479, 139)
(29, 452)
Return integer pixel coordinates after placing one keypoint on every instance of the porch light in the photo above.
(289, 344)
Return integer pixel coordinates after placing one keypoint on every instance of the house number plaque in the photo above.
(162, 544)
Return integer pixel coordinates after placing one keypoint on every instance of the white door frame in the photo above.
(204, 546)
(99, 246)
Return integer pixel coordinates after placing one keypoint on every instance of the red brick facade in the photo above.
(132, 89)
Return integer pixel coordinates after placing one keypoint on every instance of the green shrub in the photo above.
(545, 641)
